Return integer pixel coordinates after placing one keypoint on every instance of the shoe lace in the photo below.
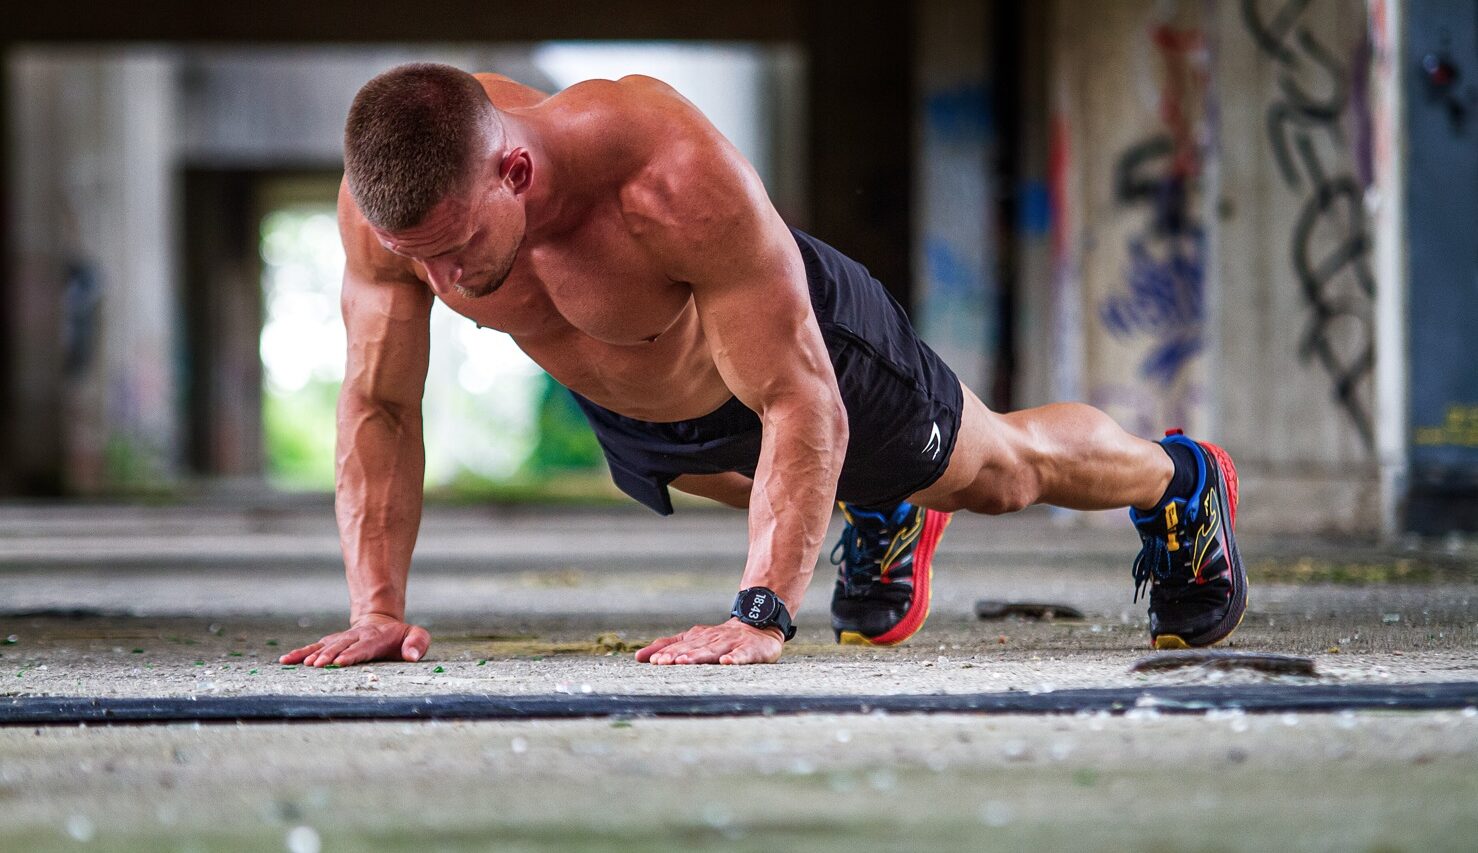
(860, 552)
(1153, 562)
(1156, 562)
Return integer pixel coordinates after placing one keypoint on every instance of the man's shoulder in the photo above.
(665, 156)
(639, 114)
(507, 93)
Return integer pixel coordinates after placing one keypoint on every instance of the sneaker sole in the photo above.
(1238, 609)
(934, 524)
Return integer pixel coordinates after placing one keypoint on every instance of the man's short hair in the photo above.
(410, 140)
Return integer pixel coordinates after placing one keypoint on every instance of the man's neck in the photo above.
(548, 200)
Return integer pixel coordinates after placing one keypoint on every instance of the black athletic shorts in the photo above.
(903, 403)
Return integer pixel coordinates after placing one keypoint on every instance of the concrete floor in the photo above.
(109, 601)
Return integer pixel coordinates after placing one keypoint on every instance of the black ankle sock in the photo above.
(1183, 481)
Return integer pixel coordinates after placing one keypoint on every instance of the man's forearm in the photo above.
(794, 487)
(378, 497)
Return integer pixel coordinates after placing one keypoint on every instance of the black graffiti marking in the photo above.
(1334, 201)
(1129, 185)
(1163, 297)
(1269, 39)
(1326, 308)
(1329, 107)
(1356, 243)
(1140, 177)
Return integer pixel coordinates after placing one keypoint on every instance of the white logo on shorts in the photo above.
(934, 443)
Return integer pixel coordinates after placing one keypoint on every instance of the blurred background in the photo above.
(1254, 219)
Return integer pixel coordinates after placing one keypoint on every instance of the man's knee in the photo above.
(1003, 494)
(1008, 480)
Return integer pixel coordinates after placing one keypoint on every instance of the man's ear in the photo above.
(517, 169)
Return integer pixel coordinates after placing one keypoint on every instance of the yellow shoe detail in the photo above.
(1165, 642)
(852, 638)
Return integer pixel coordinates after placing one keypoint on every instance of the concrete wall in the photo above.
(1129, 96)
(1209, 169)
(1296, 265)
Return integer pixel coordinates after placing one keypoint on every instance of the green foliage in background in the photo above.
(299, 432)
(496, 426)
(565, 440)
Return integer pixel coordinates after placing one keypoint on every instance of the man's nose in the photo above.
(443, 274)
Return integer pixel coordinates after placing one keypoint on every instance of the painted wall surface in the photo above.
(94, 213)
(1128, 168)
(1442, 217)
(1296, 262)
(1209, 172)
(953, 263)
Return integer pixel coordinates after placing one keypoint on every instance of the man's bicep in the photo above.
(387, 325)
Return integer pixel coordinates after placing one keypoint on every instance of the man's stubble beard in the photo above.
(495, 281)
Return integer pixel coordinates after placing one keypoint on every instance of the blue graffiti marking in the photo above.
(959, 114)
(949, 273)
(1165, 299)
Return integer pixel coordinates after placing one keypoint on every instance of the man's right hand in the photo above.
(374, 638)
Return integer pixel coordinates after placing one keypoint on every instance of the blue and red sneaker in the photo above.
(1198, 586)
(886, 561)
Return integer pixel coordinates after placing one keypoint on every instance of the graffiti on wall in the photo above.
(1330, 245)
(959, 291)
(1162, 298)
(1159, 307)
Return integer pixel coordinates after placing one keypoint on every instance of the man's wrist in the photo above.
(771, 630)
(375, 617)
(761, 607)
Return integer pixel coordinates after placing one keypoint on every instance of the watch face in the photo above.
(758, 606)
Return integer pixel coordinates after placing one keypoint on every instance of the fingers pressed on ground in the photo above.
(645, 654)
(328, 653)
(696, 651)
(297, 655)
(703, 655)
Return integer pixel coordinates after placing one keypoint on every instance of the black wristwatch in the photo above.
(762, 608)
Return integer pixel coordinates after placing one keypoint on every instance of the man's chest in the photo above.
(598, 282)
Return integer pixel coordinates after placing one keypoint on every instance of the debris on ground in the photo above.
(988, 608)
(611, 642)
(1223, 660)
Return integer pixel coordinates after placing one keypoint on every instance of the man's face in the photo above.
(467, 243)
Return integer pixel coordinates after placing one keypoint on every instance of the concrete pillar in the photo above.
(1210, 175)
(1386, 202)
(1033, 232)
(95, 280)
(1128, 153)
(954, 226)
(34, 413)
(1298, 356)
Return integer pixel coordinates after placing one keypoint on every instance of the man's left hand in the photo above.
(732, 642)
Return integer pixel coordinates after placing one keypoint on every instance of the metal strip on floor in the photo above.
(1184, 699)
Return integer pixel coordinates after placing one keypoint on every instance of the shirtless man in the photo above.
(632, 252)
